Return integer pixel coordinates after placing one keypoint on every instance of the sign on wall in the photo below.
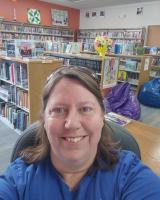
(34, 16)
(59, 17)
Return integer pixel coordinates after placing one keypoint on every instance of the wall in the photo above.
(122, 16)
(21, 6)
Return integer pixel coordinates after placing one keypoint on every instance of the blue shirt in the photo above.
(129, 179)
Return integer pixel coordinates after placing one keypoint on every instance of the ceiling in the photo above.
(81, 4)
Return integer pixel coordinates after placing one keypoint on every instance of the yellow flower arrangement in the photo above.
(102, 44)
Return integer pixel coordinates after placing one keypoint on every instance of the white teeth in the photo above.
(74, 139)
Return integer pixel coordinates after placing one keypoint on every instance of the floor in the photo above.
(150, 116)
(8, 136)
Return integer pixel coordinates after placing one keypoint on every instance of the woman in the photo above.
(74, 157)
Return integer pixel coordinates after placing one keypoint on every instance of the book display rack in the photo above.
(21, 82)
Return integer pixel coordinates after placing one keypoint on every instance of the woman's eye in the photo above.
(86, 109)
(58, 110)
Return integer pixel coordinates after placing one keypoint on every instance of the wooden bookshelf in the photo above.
(136, 68)
(137, 74)
(10, 30)
(23, 95)
(90, 61)
(118, 35)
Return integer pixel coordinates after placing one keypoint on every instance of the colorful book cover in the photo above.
(122, 75)
(118, 119)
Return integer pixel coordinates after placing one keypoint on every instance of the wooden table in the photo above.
(148, 138)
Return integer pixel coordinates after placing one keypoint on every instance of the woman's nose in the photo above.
(72, 120)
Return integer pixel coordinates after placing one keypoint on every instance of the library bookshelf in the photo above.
(90, 61)
(127, 37)
(134, 69)
(21, 82)
(11, 30)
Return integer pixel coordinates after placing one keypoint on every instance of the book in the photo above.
(11, 49)
(122, 75)
(118, 119)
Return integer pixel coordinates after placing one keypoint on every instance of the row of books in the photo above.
(94, 65)
(7, 71)
(133, 34)
(155, 74)
(15, 73)
(33, 29)
(12, 36)
(22, 99)
(65, 47)
(130, 64)
(112, 34)
(155, 62)
(17, 117)
(21, 75)
(128, 76)
(128, 47)
(7, 92)
(15, 96)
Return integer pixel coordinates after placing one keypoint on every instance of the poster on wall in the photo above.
(87, 14)
(140, 11)
(102, 13)
(59, 17)
(34, 16)
(109, 72)
(94, 14)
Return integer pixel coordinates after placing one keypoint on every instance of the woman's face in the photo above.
(73, 121)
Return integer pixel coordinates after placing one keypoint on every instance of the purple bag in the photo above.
(122, 100)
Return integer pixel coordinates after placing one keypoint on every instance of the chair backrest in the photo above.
(117, 133)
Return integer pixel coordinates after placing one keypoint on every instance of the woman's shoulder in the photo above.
(18, 169)
(130, 178)
(132, 171)
(18, 164)
(23, 176)
(128, 158)
(129, 163)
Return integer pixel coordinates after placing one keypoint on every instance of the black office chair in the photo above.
(118, 134)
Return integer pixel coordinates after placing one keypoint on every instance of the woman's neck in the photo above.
(73, 179)
(72, 174)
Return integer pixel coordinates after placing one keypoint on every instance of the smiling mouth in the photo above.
(74, 139)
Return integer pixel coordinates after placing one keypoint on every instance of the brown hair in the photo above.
(107, 154)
